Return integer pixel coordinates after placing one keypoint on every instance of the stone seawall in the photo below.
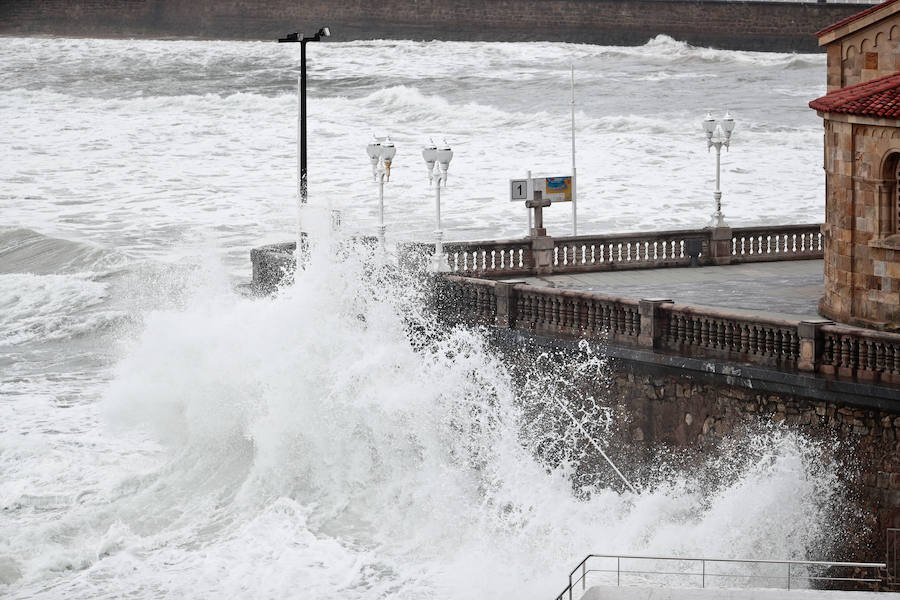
(772, 26)
(660, 411)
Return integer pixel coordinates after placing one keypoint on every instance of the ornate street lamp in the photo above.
(381, 155)
(718, 134)
(437, 161)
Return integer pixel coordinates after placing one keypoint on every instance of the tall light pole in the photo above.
(381, 155)
(718, 134)
(301, 109)
(437, 161)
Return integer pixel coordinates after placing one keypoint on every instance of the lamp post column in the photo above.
(440, 262)
(381, 227)
(718, 134)
(718, 219)
(382, 156)
(437, 161)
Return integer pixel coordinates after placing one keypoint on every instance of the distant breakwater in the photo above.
(734, 25)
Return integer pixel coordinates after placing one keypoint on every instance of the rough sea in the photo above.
(164, 436)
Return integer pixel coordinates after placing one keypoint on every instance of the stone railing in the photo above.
(546, 255)
(736, 337)
(816, 346)
(777, 242)
(860, 353)
(496, 257)
(653, 249)
(629, 251)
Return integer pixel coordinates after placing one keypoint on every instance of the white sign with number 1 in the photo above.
(518, 189)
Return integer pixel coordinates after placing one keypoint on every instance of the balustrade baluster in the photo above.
(845, 352)
(704, 333)
(532, 311)
(671, 327)
(770, 342)
(895, 351)
(828, 350)
(752, 339)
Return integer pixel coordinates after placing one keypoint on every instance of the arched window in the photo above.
(888, 210)
(893, 225)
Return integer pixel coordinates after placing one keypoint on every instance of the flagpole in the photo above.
(574, 177)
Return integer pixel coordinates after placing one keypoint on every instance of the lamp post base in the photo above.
(717, 220)
(439, 263)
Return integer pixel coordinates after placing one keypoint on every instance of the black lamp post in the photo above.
(301, 158)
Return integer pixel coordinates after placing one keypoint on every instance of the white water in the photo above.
(161, 436)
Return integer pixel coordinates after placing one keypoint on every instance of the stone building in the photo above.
(861, 113)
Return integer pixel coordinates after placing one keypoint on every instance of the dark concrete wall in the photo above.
(777, 26)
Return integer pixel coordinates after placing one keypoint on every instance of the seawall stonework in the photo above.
(663, 411)
(777, 26)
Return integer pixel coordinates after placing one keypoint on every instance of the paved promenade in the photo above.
(786, 289)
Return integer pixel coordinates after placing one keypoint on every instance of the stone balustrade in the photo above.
(629, 251)
(735, 337)
(816, 346)
(495, 257)
(546, 255)
(778, 242)
(644, 250)
(860, 353)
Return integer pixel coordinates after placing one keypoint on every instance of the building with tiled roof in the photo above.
(861, 114)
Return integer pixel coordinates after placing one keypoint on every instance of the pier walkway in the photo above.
(783, 289)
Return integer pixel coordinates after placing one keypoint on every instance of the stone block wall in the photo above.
(862, 245)
(871, 52)
(683, 412)
(781, 26)
(662, 414)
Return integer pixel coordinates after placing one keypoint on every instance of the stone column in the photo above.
(542, 250)
(651, 323)
(810, 343)
(719, 246)
(505, 294)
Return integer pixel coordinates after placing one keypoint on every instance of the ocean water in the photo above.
(162, 436)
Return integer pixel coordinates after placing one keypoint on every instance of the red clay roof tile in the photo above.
(876, 98)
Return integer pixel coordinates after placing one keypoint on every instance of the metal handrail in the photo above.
(582, 566)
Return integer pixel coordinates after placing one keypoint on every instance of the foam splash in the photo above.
(335, 439)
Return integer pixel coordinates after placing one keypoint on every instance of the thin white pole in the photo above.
(574, 177)
(381, 228)
(528, 210)
(596, 446)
